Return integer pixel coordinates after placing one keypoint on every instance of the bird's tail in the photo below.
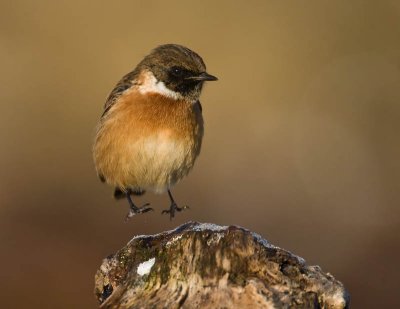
(120, 194)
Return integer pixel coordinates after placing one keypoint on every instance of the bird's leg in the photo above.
(174, 207)
(133, 209)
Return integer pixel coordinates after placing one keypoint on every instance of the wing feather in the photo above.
(124, 84)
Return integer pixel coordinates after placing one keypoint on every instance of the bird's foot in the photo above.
(174, 207)
(133, 210)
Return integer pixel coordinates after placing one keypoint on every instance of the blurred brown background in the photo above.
(301, 145)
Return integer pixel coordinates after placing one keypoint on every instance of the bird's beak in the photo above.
(202, 77)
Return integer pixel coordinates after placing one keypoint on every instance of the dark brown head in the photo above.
(177, 68)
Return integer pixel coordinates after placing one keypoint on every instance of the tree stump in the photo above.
(200, 265)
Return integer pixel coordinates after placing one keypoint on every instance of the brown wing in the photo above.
(125, 83)
(201, 107)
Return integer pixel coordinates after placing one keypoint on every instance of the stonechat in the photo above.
(151, 129)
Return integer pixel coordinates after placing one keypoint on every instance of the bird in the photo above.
(151, 128)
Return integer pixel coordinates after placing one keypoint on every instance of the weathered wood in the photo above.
(210, 266)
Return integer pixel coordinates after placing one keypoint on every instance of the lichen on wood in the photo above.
(201, 265)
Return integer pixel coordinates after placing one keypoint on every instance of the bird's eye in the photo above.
(177, 71)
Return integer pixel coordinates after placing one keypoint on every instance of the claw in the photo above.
(171, 211)
(138, 210)
(173, 207)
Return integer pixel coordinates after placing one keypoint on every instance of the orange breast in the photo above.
(148, 141)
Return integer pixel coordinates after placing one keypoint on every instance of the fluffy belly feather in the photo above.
(147, 153)
(159, 161)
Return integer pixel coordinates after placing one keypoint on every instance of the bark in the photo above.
(209, 266)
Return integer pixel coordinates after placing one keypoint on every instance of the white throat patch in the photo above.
(149, 84)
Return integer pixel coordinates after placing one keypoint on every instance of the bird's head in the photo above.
(176, 71)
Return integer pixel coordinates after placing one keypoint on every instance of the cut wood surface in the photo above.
(201, 265)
